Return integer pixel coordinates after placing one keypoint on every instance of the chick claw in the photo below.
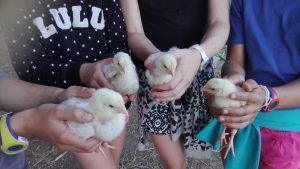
(230, 145)
(106, 145)
(223, 137)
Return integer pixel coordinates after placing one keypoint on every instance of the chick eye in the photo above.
(165, 67)
(111, 106)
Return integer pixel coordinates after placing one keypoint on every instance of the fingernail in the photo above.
(233, 96)
(221, 119)
(88, 116)
(225, 111)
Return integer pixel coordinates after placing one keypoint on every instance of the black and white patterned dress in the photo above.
(182, 118)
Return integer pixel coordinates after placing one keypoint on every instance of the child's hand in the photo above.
(236, 79)
(92, 74)
(74, 91)
(48, 122)
(188, 64)
(149, 62)
(238, 118)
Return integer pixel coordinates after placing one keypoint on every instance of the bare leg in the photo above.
(108, 159)
(171, 153)
(118, 143)
(96, 160)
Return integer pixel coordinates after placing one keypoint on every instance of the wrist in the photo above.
(82, 72)
(20, 123)
(57, 93)
(196, 54)
(204, 58)
(271, 100)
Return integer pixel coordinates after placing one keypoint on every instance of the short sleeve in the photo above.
(236, 35)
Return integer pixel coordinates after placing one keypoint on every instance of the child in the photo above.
(63, 43)
(35, 115)
(264, 49)
(154, 27)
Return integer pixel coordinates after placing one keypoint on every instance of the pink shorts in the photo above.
(280, 149)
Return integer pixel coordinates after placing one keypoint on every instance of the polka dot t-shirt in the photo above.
(49, 40)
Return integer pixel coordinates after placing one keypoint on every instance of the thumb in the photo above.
(250, 85)
(74, 114)
(236, 79)
(149, 62)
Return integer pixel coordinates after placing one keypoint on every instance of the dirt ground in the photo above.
(44, 156)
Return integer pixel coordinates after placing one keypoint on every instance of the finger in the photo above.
(160, 95)
(68, 148)
(125, 98)
(216, 112)
(236, 125)
(235, 119)
(101, 79)
(73, 114)
(210, 97)
(240, 111)
(69, 139)
(175, 97)
(248, 97)
(95, 143)
(78, 91)
(95, 84)
(235, 78)
(132, 97)
(149, 62)
(85, 92)
(250, 85)
(168, 86)
(107, 61)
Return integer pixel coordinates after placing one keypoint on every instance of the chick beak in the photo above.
(171, 72)
(122, 69)
(204, 89)
(124, 110)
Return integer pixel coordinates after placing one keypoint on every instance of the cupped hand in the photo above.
(188, 62)
(74, 91)
(91, 74)
(48, 122)
(238, 118)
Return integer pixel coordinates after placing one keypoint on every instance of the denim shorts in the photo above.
(17, 161)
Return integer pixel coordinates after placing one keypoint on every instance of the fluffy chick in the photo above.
(222, 88)
(162, 71)
(122, 74)
(110, 115)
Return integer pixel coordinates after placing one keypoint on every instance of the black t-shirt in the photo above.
(169, 23)
(48, 40)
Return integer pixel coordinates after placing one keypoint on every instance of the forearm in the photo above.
(232, 67)
(289, 95)
(141, 46)
(215, 38)
(218, 27)
(235, 61)
(20, 123)
(17, 95)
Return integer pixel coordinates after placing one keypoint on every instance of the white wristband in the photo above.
(204, 57)
(267, 92)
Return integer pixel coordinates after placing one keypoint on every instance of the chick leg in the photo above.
(106, 145)
(230, 144)
(223, 137)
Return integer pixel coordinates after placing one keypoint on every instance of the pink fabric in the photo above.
(280, 149)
